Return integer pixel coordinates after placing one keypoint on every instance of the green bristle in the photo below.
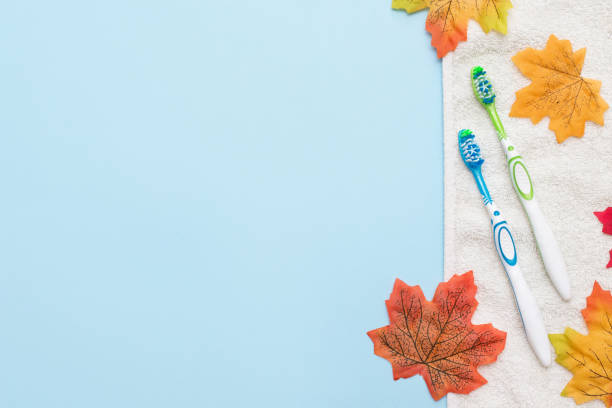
(482, 86)
(469, 149)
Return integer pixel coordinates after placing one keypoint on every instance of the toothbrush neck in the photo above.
(501, 132)
(482, 187)
(509, 148)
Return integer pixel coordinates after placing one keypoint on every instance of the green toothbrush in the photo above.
(521, 180)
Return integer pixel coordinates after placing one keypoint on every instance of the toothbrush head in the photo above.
(469, 150)
(483, 90)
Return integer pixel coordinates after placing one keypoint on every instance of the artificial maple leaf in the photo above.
(437, 339)
(447, 20)
(589, 357)
(605, 217)
(557, 89)
(492, 15)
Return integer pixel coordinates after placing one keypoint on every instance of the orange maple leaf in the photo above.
(447, 20)
(557, 89)
(437, 339)
(589, 357)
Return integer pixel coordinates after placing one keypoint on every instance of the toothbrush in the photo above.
(521, 180)
(504, 244)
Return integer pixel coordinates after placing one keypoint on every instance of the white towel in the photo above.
(571, 181)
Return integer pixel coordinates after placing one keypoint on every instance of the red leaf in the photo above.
(605, 217)
(437, 339)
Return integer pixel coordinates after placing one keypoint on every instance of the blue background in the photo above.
(205, 204)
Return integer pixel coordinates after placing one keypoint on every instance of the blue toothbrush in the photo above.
(504, 244)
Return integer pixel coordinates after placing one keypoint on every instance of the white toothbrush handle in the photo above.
(531, 316)
(549, 249)
(527, 305)
(547, 244)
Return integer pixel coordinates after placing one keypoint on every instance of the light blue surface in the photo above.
(205, 204)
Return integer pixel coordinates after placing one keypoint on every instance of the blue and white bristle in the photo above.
(482, 86)
(469, 149)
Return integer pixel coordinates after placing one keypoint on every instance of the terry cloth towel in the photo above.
(571, 180)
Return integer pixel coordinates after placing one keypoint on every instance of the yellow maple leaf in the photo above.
(447, 20)
(557, 89)
(589, 357)
(492, 15)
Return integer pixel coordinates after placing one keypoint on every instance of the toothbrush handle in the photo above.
(525, 301)
(549, 249)
(531, 316)
(547, 244)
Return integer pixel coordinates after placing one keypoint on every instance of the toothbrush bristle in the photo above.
(469, 149)
(482, 86)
